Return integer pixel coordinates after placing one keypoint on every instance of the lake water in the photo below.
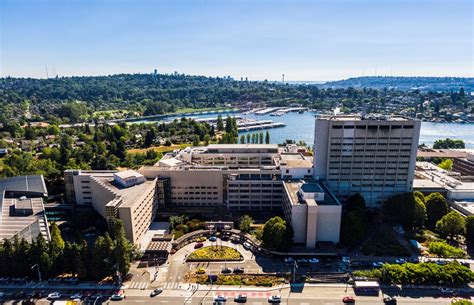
(300, 126)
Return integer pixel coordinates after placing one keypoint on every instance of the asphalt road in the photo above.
(307, 296)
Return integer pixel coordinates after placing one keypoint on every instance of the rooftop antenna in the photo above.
(283, 78)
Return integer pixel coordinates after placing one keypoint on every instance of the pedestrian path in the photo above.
(137, 285)
(172, 286)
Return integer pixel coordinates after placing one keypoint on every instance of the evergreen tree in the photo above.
(260, 137)
(220, 123)
(267, 137)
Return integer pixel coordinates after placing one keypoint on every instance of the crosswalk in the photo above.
(171, 286)
(137, 285)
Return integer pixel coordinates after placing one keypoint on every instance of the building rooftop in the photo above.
(242, 146)
(128, 174)
(128, 194)
(355, 117)
(31, 183)
(22, 209)
(293, 188)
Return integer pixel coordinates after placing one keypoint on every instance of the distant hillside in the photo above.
(445, 84)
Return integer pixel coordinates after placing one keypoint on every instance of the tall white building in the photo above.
(372, 155)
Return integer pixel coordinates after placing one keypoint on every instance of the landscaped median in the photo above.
(215, 253)
(240, 280)
(420, 274)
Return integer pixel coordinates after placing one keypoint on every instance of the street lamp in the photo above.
(39, 271)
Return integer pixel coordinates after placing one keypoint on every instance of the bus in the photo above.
(366, 288)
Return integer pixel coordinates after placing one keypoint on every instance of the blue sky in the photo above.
(305, 40)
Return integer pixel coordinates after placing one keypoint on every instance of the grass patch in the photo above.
(383, 243)
(215, 253)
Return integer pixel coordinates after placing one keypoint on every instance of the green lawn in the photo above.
(215, 253)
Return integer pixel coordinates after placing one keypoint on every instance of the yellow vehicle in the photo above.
(201, 239)
(201, 271)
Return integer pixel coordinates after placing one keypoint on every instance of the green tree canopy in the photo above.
(470, 228)
(451, 225)
(436, 207)
(446, 164)
(245, 223)
(277, 234)
(406, 209)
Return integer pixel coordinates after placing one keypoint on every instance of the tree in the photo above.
(245, 223)
(123, 250)
(57, 241)
(248, 138)
(267, 137)
(352, 229)
(220, 123)
(470, 228)
(451, 225)
(448, 144)
(242, 139)
(414, 210)
(446, 164)
(277, 234)
(149, 137)
(260, 137)
(436, 208)
(207, 139)
(196, 140)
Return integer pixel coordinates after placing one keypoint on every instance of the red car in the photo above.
(198, 245)
(348, 300)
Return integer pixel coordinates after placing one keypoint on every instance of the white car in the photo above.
(246, 245)
(220, 298)
(54, 296)
(274, 299)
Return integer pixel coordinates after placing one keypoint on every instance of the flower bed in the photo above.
(215, 253)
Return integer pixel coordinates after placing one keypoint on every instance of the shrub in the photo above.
(442, 249)
(421, 274)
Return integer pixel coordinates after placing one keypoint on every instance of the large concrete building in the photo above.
(372, 155)
(252, 177)
(22, 209)
(126, 195)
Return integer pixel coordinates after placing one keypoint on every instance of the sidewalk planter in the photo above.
(215, 254)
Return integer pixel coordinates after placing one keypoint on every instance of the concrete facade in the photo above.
(374, 155)
(135, 205)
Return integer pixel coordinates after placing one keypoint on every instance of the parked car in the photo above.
(390, 300)
(201, 271)
(289, 260)
(348, 300)
(446, 290)
(274, 299)
(377, 264)
(400, 261)
(246, 245)
(220, 298)
(313, 260)
(241, 298)
(212, 238)
(198, 245)
(226, 270)
(156, 292)
(118, 296)
(225, 238)
(302, 261)
(76, 295)
(239, 270)
(201, 239)
(54, 296)
(346, 259)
